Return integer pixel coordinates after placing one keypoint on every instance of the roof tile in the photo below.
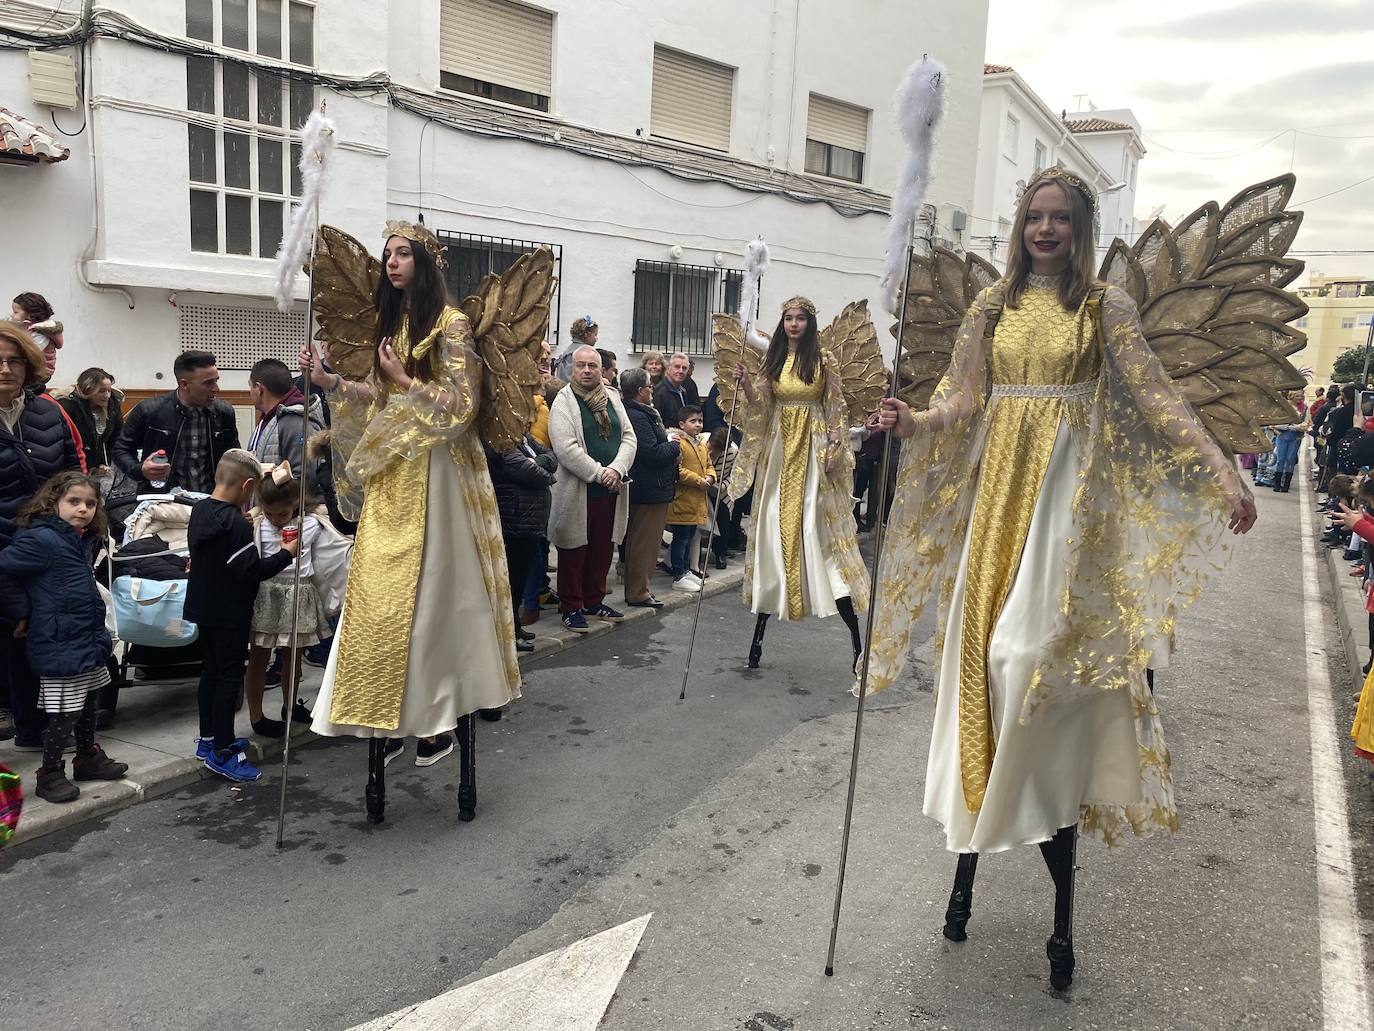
(23, 142)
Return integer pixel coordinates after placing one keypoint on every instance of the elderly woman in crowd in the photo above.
(653, 479)
(655, 365)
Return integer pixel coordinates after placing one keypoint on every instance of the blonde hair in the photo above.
(652, 356)
(1081, 274)
(14, 333)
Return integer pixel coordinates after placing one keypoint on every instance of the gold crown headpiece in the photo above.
(1056, 173)
(802, 303)
(417, 233)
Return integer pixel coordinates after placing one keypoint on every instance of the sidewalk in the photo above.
(158, 722)
(1352, 621)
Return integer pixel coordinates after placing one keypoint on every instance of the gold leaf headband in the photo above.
(1056, 173)
(417, 233)
(802, 303)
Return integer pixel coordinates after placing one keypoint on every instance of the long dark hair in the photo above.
(45, 499)
(808, 361)
(423, 302)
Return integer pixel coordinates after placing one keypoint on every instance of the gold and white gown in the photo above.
(427, 631)
(1066, 512)
(802, 552)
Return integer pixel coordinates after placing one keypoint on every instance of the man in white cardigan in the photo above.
(591, 435)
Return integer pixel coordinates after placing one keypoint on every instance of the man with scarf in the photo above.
(595, 444)
(282, 409)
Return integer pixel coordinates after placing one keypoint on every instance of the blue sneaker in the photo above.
(576, 622)
(604, 612)
(206, 745)
(233, 765)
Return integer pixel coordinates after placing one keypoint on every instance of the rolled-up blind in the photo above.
(692, 99)
(838, 124)
(499, 42)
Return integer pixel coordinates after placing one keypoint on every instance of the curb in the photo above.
(1352, 622)
(102, 798)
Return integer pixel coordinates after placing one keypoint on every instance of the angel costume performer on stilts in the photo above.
(1066, 504)
(426, 635)
(801, 388)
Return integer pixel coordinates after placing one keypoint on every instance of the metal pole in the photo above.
(710, 535)
(291, 681)
(868, 631)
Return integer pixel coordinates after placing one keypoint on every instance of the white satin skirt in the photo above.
(821, 579)
(1069, 754)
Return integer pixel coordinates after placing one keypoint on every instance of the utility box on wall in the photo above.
(52, 80)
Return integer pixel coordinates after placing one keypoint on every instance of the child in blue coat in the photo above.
(47, 582)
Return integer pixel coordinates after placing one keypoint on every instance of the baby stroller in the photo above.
(147, 576)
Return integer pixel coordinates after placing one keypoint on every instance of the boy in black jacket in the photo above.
(225, 572)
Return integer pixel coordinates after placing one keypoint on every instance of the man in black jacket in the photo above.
(675, 391)
(177, 439)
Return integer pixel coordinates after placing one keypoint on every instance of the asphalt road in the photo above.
(602, 798)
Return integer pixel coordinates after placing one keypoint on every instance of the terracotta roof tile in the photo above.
(1095, 125)
(996, 69)
(23, 142)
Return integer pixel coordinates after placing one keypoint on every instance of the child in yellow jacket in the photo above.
(688, 511)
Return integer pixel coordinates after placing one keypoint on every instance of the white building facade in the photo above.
(645, 150)
(1019, 134)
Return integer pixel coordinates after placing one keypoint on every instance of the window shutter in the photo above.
(838, 124)
(692, 99)
(499, 42)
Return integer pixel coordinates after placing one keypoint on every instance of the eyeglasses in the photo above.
(13, 363)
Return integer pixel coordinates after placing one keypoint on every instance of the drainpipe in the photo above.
(89, 252)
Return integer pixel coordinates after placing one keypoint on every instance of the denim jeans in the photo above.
(1286, 450)
(680, 552)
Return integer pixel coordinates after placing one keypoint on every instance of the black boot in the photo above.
(961, 898)
(1287, 481)
(756, 648)
(1060, 853)
(851, 620)
(467, 762)
(376, 779)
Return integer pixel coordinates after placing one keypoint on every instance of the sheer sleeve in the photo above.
(1159, 403)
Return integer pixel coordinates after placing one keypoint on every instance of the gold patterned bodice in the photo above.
(791, 389)
(1038, 343)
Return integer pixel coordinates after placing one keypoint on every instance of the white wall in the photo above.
(605, 214)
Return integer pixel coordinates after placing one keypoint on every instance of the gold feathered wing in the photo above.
(942, 289)
(342, 284)
(1214, 309)
(853, 341)
(509, 316)
(732, 349)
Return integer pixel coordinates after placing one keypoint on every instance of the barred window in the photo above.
(674, 303)
(470, 258)
(242, 151)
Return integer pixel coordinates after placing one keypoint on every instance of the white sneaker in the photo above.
(695, 579)
(687, 582)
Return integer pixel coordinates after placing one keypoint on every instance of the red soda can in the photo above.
(289, 533)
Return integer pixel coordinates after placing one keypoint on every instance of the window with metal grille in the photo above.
(241, 337)
(242, 149)
(674, 303)
(498, 50)
(472, 257)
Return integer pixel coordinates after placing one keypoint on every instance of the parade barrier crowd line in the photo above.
(157, 720)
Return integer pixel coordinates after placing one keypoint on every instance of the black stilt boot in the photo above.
(851, 620)
(1287, 481)
(961, 898)
(756, 648)
(1060, 853)
(376, 779)
(467, 761)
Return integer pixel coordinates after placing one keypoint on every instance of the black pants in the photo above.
(224, 653)
(521, 554)
(29, 721)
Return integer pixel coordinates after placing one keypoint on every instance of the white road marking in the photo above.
(1345, 994)
(565, 990)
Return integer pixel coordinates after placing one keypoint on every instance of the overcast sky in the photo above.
(1219, 88)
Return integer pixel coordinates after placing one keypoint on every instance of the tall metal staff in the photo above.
(755, 265)
(297, 250)
(920, 105)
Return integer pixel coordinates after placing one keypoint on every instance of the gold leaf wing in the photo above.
(853, 342)
(344, 279)
(731, 349)
(941, 288)
(509, 315)
(1214, 308)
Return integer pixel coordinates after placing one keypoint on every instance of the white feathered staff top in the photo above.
(317, 144)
